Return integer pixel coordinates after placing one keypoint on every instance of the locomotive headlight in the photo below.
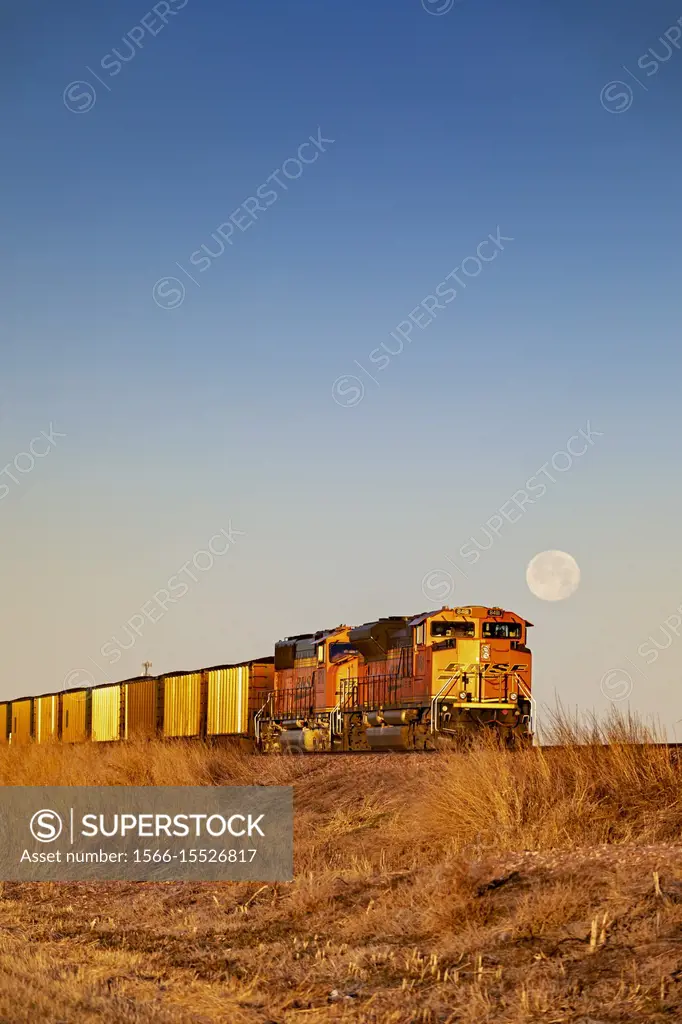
(463, 695)
(485, 651)
(513, 697)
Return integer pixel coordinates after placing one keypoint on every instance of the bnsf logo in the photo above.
(486, 670)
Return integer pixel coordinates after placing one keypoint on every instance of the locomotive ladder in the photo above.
(434, 700)
(523, 689)
(335, 724)
(258, 717)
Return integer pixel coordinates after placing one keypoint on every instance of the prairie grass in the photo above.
(477, 887)
(599, 783)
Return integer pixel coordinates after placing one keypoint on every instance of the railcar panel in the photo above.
(21, 721)
(106, 713)
(46, 718)
(184, 705)
(142, 700)
(4, 721)
(228, 701)
(76, 716)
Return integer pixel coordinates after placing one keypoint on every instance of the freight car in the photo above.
(221, 701)
(396, 683)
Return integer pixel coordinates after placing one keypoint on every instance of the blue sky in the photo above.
(488, 118)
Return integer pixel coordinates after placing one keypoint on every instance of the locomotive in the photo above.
(396, 683)
(401, 683)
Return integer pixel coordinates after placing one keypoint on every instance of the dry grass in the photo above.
(474, 887)
(603, 784)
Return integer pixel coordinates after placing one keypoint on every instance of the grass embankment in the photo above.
(468, 887)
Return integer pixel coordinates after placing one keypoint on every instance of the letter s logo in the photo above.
(348, 390)
(168, 292)
(79, 97)
(617, 97)
(46, 826)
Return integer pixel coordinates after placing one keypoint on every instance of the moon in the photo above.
(553, 575)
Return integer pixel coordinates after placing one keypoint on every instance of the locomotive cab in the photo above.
(475, 664)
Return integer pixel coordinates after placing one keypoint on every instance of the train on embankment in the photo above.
(397, 683)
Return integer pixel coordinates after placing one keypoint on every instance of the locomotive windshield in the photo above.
(450, 629)
(340, 650)
(502, 630)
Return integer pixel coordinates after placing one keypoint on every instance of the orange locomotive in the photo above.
(400, 683)
(310, 671)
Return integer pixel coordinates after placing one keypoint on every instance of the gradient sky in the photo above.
(179, 421)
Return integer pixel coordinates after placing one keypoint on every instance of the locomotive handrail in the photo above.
(370, 691)
(258, 716)
(533, 703)
(347, 690)
(436, 698)
(297, 702)
(335, 724)
(447, 686)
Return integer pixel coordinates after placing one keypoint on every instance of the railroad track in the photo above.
(430, 753)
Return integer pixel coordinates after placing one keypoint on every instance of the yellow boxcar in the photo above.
(183, 704)
(106, 713)
(234, 694)
(4, 713)
(46, 718)
(228, 700)
(75, 716)
(141, 702)
(21, 720)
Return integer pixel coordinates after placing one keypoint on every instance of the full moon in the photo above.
(553, 575)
